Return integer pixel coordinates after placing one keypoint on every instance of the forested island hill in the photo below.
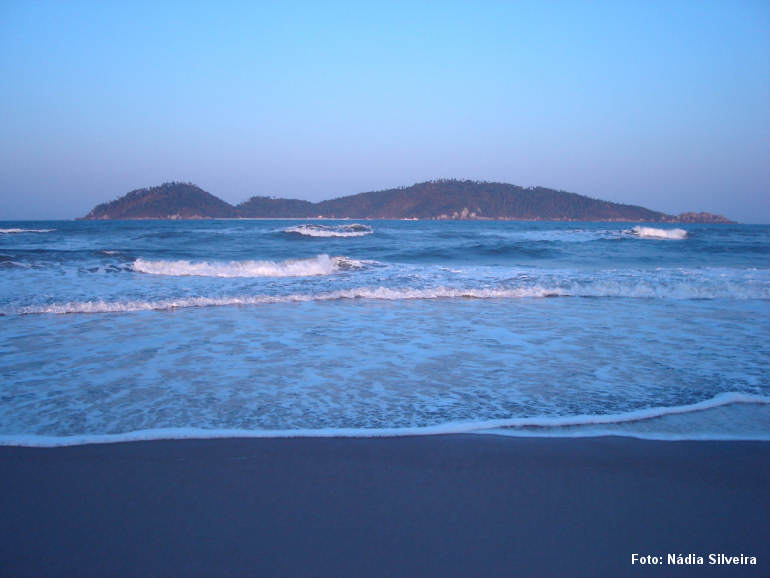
(439, 199)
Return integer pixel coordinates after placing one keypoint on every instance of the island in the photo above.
(438, 199)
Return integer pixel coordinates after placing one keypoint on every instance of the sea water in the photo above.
(115, 330)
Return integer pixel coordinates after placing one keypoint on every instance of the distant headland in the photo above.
(439, 199)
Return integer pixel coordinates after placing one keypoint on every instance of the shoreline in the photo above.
(543, 427)
(460, 504)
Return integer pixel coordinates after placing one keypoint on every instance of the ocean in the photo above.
(129, 330)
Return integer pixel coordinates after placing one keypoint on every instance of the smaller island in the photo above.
(443, 199)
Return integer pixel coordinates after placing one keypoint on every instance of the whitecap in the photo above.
(661, 234)
(348, 230)
(319, 265)
(12, 231)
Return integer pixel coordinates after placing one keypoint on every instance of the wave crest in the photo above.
(12, 231)
(661, 234)
(352, 230)
(378, 293)
(319, 265)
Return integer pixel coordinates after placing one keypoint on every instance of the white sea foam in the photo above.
(381, 293)
(661, 234)
(11, 231)
(722, 399)
(351, 230)
(499, 427)
(319, 265)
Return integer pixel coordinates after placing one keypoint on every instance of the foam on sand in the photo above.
(499, 427)
(661, 234)
(319, 265)
(633, 423)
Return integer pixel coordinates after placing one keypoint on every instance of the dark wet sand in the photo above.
(463, 505)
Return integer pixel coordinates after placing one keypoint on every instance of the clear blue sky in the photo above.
(663, 104)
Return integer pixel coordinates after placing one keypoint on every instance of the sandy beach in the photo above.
(420, 506)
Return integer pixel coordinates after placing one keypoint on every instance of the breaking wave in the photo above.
(662, 234)
(399, 294)
(11, 231)
(381, 293)
(319, 265)
(352, 230)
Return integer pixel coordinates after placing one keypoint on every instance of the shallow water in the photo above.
(150, 329)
